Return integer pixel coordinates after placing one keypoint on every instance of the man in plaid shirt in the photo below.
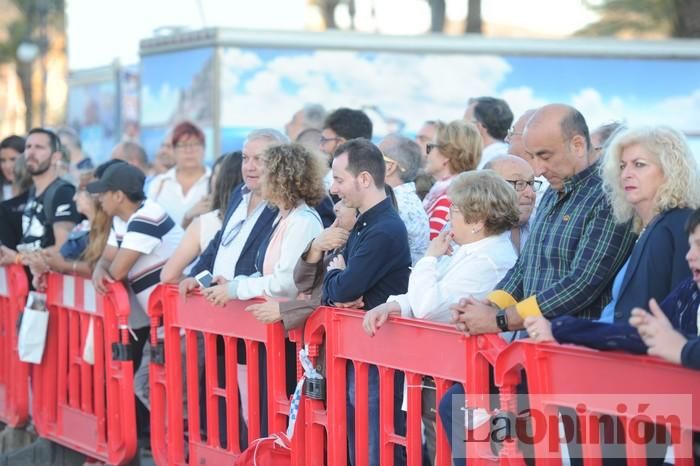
(575, 247)
(567, 266)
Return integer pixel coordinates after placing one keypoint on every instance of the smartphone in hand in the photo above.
(204, 279)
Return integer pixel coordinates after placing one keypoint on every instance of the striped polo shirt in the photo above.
(151, 232)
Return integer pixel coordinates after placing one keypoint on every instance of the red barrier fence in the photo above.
(193, 319)
(86, 407)
(89, 407)
(14, 374)
(415, 347)
(635, 389)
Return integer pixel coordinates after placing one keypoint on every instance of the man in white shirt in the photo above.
(248, 220)
(403, 159)
(519, 174)
(141, 240)
(492, 118)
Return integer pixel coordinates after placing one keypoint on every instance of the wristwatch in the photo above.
(502, 320)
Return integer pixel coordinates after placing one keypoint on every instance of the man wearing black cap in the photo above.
(141, 240)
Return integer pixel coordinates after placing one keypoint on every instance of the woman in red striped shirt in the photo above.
(456, 148)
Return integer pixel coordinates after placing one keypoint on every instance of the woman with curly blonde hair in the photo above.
(293, 182)
(456, 148)
(651, 179)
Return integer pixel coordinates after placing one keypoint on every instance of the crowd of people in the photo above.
(530, 227)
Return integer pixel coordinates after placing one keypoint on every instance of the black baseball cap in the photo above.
(122, 177)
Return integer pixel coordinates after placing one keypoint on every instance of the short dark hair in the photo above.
(133, 150)
(693, 221)
(574, 124)
(54, 142)
(349, 124)
(136, 197)
(13, 142)
(494, 114)
(364, 156)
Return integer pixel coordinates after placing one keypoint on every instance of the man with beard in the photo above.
(50, 213)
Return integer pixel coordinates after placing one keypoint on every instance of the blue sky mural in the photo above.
(264, 87)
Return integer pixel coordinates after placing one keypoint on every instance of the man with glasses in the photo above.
(492, 118)
(514, 139)
(519, 174)
(340, 126)
(403, 160)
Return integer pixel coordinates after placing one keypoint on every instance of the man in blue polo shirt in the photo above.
(374, 265)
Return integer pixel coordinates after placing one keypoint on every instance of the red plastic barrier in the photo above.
(603, 383)
(191, 316)
(88, 408)
(415, 347)
(14, 374)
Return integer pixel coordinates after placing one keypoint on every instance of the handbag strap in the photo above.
(309, 372)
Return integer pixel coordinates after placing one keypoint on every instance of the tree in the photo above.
(473, 17)
(676, 18)
(31, 25)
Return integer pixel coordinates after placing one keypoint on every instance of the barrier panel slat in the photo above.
(88, 407)
(415, 347)
(173, 317)
(596, 383)
(14, 374)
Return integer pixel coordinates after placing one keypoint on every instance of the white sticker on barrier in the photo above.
(3, 282)
(89, 298)
(68, 291)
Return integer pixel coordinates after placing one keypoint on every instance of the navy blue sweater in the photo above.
(377, 260)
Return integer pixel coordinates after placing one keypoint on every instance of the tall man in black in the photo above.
(374, 266)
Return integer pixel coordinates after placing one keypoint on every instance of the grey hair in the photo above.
(313, 116)
(406, 153)
(269, 134)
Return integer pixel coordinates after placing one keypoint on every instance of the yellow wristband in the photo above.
(528, 307)
(501, 299)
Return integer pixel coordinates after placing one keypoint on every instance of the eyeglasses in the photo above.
(429, 147)
(231, 233)
(323, 140)
(520, 185)
(512, 132)
(188, 146)
(390, 160)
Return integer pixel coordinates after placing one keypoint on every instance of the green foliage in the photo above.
(631, 16)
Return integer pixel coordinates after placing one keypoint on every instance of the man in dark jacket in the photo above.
(374, 265)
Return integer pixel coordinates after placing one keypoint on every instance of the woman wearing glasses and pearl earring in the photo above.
(483, 210)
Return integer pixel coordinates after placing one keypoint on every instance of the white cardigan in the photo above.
(304, 224)
(473, 269)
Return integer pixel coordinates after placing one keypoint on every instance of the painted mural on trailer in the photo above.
(264, 87)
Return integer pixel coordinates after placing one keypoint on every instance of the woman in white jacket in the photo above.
(484, 209)
(293, 182)
(469, 259)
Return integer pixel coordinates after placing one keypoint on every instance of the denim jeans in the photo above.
(452, 417)
(373, 428)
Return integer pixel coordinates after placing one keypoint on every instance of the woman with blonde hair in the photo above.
(651, 178)
(456, 148)
(293, 182)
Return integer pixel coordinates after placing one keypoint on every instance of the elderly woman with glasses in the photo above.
(483, 210)
(651, 178)
(456, 148)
